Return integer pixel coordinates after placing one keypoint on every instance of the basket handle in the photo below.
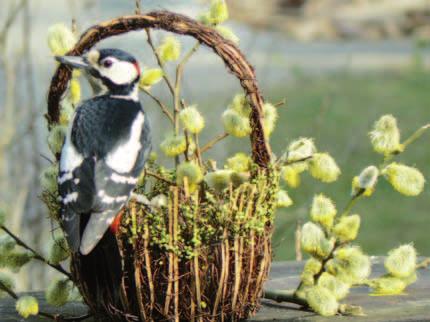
(179, 24)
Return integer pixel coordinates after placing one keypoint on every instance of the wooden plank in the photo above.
(410, 307)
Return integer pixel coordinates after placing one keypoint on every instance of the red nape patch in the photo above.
(114, 227)
(136, 65)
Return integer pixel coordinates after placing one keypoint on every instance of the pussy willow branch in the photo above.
(55, 317)
(37, 255)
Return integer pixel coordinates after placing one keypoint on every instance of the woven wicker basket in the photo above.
(128, 278)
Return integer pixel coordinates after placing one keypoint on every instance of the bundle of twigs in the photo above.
(169, 262)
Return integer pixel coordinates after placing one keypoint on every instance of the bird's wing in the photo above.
(102, 158)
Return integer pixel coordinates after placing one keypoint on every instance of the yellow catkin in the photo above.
(236, 124)
(150, 77)
(192, 120)
(314, 242)
(291, 176)
(338, 288)
(27, 306)
(170, 49)
(408, 181)
(347, 228)
(387, 285)
(240, 162)
(323, 211)
(283, 199)
(401, 262)
(228, 34)
(385, 136)
(300, 149)
(324, 168)
(174, 145)
(322, 301)
(218, 12)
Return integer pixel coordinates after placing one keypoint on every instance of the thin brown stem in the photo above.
(159, 177)
(160, 62)
(36, 255)
(163, 107)
(214, 141)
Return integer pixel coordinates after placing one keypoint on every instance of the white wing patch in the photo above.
(123, 179)
(70, 158)
(123, 158)
(95, 229)
(109, 199)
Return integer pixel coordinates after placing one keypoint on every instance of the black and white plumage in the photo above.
(105, 149)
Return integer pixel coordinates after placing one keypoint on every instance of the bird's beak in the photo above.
(73, 61)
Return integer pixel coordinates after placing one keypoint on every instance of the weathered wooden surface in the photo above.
(410, 307)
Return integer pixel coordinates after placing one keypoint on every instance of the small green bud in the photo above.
(27, 306)
(60, 39)
(192, 120)
(291, 176)
(218, 12)
(59, 251)
(387, 285)
(219, 180)
(174, 145)
(170, 49)
(283, 199)
(190, 170)
(240, 162)
(15, 260)
(323, 211)
(7, 243)
(7, 281)
(58, 292)
(48, 178)
(347, 228)
(150, 77)
(401, 262)
(385, 136)
(56, 138)
(314, 241)
(301, 148)
(322, 301)
(338, 288)
(153, 156)
(205, 18)
(235, 124)
(228, 34)
(270, 117)
(324, 168)
(406, 180)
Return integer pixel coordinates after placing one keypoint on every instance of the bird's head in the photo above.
(111, 70)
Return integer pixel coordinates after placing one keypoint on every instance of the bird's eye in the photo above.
(107, 63)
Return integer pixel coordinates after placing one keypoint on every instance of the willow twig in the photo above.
(160, 62)
(416, 135)
(36, 255)
(214, 141)
(159, 177)
(283, 296)
(163, 107)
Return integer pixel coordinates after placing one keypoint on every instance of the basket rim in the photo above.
(180, 24)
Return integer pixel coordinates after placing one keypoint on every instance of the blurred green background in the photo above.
(339, 64)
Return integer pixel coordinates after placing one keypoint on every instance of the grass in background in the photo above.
(338, 111)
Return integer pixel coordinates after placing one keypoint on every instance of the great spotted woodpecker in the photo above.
(105, 149)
